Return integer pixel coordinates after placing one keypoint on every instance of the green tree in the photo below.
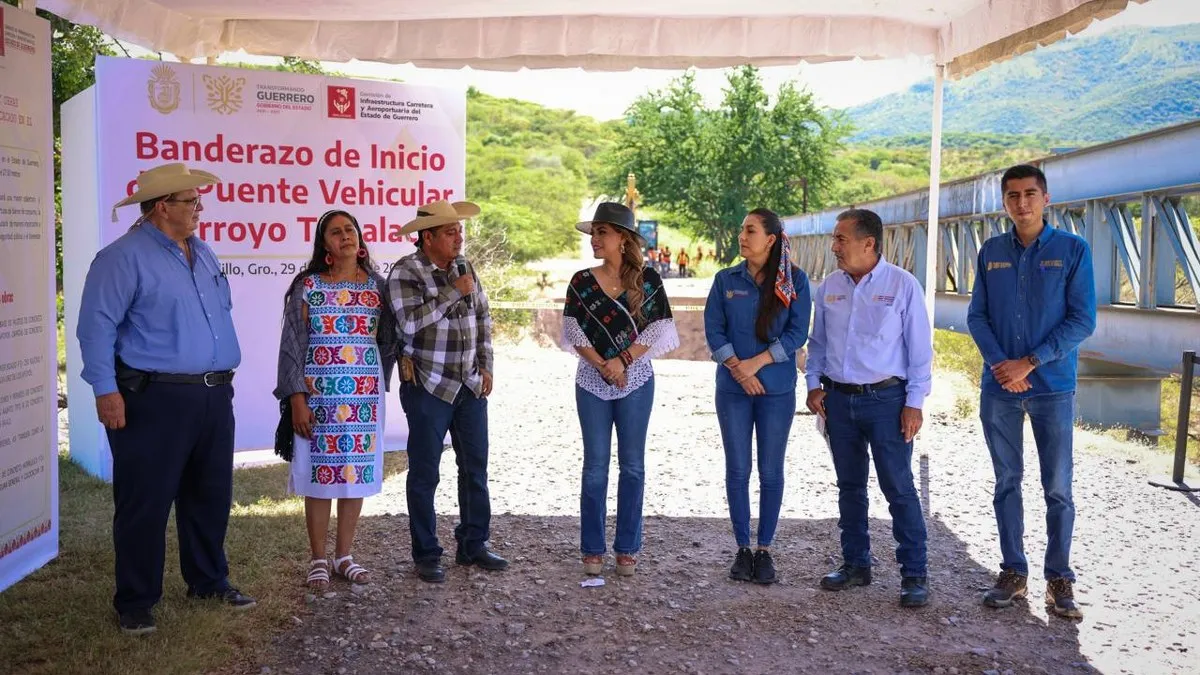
(293, 64)
(530, 169)
(73, 50)
(709, 167)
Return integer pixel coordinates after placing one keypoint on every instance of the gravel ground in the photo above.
(1136, 552)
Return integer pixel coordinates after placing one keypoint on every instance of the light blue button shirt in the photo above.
(867, 332)
(144, 304)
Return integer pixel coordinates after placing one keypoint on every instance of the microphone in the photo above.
(462, 271)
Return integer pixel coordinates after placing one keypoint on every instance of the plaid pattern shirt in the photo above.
(448, 335)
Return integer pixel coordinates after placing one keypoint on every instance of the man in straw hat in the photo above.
(159, 349)
(443, 319)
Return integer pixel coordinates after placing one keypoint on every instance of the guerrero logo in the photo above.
(163, 89)
(341, 102)
(224, 93)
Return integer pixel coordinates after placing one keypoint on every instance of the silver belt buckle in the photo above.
(206, 382)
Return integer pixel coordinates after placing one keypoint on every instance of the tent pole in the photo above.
(935, 180)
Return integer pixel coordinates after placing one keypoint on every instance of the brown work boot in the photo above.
(1060, 597)
(1010, 586)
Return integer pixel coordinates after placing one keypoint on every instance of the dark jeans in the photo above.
(429, 418)
(1052, 417)
(853, 423)
(177, 446)
(597, 418)
(740, 416)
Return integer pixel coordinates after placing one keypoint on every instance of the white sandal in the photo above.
(318, 574)
(347, 569)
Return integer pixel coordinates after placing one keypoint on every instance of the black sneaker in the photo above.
(1009, 586)
(743, 565)
(845, 577)
(230, 596)
(1060, 597)
(764, 568)
(136, 622)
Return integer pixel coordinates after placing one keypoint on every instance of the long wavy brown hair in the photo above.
(631, 272)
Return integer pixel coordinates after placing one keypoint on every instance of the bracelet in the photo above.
(626, 357)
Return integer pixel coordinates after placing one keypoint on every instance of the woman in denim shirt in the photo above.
(755, 320)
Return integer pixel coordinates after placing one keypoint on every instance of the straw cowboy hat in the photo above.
(167, 180)
(612, 213)
(441, 212)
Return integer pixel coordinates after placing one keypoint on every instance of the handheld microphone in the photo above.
(462, 271)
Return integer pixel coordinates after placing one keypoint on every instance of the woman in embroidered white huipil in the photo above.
(616, 318)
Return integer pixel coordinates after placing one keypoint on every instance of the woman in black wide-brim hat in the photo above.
(616, 319)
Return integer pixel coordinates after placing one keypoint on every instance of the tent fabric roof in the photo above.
(600, 35)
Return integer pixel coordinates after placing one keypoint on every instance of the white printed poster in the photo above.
(28, 362)
(287, 148)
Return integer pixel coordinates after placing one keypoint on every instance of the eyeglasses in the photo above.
(194, 202)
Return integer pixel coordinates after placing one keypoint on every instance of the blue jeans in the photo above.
(631, 417)
(740, 416)
(854, 422)
(429, 418)
(1052, 417)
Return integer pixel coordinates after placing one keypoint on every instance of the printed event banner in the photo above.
(28, 356)
(287, 148)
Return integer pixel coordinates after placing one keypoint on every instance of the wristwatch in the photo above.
(1034, 360)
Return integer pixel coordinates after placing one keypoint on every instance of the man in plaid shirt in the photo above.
(443, 321)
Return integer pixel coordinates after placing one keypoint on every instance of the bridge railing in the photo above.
(1129, 199)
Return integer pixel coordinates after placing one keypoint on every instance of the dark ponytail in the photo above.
(769, 304)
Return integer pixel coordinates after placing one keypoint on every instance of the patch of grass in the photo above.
(1171, 391)
(964, 407)
(60, 619)
(957, 352)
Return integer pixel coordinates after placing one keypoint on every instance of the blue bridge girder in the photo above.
(1125, 198)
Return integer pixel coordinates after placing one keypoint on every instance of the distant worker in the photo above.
(683, 262)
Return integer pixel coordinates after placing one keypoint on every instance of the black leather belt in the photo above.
(855, 389)
(212, 379)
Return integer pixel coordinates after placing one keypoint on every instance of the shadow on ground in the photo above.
(678, 614)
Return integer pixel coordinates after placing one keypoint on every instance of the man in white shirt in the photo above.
(868, 372)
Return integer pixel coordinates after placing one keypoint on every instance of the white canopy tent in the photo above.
(965, 35)
(960, 36)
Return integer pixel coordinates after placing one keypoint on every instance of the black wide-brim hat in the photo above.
(611, 213)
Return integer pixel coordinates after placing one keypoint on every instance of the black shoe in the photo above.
(230, 596)
(764, 568)
(914, 592)
(1060, 597)
(1010, 586)
(845, 577)
(136, 622)
(485, 559)
(743, 565)
(430, 571)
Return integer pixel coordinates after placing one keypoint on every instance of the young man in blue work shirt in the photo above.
(1033, 303)
(870, 355)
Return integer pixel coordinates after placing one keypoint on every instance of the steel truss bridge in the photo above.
(1129, 199)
